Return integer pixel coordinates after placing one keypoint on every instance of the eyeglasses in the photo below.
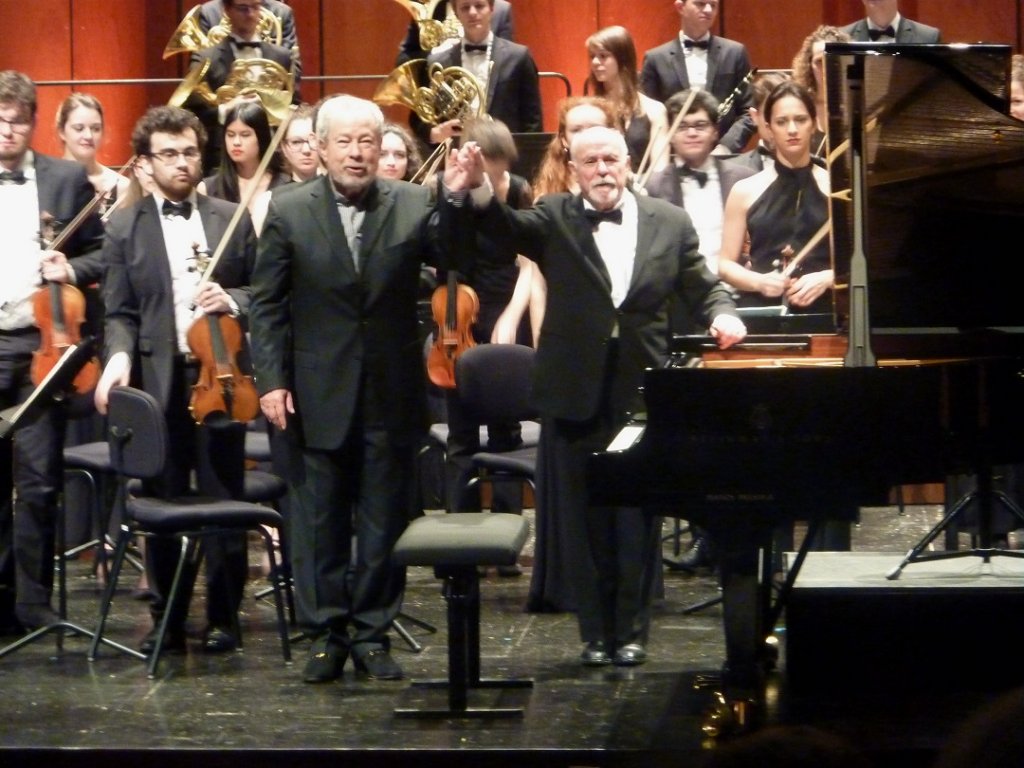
(170, 156)
(243, 8)
(17, 125)
(297, 144)
(700, 126)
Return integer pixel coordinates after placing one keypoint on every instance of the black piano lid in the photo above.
(944, 198)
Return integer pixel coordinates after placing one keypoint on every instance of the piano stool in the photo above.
(944, 625)
(456, 545)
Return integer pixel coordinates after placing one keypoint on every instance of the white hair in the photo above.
(598, 134)
(350, 108)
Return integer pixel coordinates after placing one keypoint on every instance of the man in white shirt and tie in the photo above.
(885, 24)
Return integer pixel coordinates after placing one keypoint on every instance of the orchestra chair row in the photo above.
(139, 447)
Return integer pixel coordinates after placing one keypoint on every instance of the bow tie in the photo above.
(183, 209)
(595, 217)
(469, 47)
(688, 43)
(874, 34)
(12, 177)
(701, 177)
(246, 43)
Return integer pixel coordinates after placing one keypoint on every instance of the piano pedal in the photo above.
(730, 717)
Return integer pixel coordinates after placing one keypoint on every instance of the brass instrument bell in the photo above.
(432, 31)
(450, 93)
(189, 37)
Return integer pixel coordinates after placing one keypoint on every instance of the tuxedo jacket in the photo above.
(212, 11)
(667, 183)
(573, 357)
(63, 189)
(663, 73)
(501, 25)
(338, 338)
(909, 31)
(513, 87)
(137, 284)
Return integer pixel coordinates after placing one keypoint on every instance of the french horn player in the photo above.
(235, 60)
(277, 23)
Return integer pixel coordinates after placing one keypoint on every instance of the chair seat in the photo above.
(530, 434)
(176, 516)
(521, 462)
(94, 457)
(262, 487)
(257, 446)
(462, 539)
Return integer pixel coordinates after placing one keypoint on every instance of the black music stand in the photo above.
(53, 389)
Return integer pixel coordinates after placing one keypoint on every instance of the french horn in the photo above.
(451, 92)
(271, 83)
(432, 31)
(189, 37)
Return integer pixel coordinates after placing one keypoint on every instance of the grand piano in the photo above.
(923, 376)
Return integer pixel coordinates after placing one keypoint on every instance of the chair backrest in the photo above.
(494, 382)
(136, 433)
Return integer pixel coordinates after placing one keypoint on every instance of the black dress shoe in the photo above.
(218, 640)
(630, 655)
(33, 616)
(326, 662)
(595, 654)
(174, 641)
(698, 556)
(378, 665)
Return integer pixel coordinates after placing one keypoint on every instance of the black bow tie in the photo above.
(183, 209)
(12, 177)
(688, 43)
(701, 177)
(874, 34)
(474, 47)
(246, 43)
(595, 217)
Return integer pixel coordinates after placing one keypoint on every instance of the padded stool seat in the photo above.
(455, 545)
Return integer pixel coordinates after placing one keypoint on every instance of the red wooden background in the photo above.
(54, 41)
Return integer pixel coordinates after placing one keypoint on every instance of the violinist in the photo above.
(34, 189)
(154, 294)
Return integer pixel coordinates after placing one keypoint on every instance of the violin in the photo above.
(59, 313)
(455, 307)
(222, 388)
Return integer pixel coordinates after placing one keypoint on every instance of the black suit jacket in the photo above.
(580, 319)
(663, 74)
(513, 87)
(212, 11)
(666, 183)
(63, 190)
(137, 284)
(909, 31)
(501, 25)
(334, 337)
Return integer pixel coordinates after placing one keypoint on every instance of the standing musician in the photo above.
(212, 12)
(153, 294)
(697, 59)
(33, 187)
(501, 25)
(243, 43)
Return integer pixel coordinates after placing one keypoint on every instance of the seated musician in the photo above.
(782, 211)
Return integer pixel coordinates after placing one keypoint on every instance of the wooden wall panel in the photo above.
(994, 21)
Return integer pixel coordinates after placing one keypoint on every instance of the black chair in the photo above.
(494, 384)
(137, 434)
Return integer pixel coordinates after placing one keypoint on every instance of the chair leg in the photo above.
(189, 551)
(280, 583)
(120, 555)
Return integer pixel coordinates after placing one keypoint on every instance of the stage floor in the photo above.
(58, 709)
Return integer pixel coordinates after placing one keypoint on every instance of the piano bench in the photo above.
(456, 545)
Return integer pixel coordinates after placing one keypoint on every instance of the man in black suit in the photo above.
(339, 365)
(33, 188)
(501, 25)
(697, 59)
(506, 72)
(612, 260)
(885, 24)
(153, 293)
(243, 43)
(212, 12)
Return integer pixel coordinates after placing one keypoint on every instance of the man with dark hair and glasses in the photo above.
(37, 193)
(153, 292)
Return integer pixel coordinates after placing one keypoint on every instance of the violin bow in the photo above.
(646, 168)
(87, 210)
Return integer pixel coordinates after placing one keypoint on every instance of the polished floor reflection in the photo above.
(248, 708)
